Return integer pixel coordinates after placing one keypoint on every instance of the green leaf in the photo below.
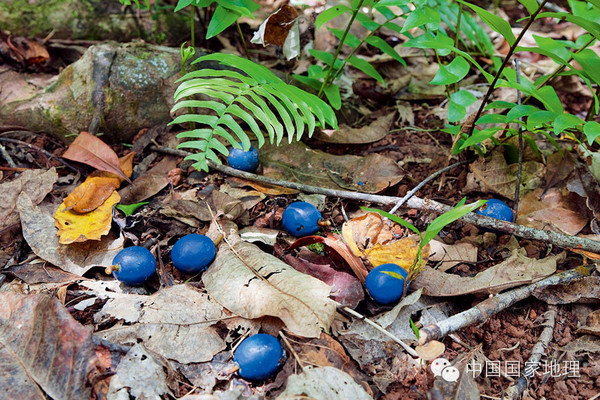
(382, 45)
(332, 92)
(129, 209)
(499, 104)
(566, 121)
(591, 130)
(479, 136)
(415, 329)
(451, 73)
(491, 119)
(394, 275)
(222, 19)
(495, 22)
(446, 218)
(422, 16)
(457, 106)
(182, 4)
(520, 111)
(365, 67)
(590, 62)
(530, 5)
(350, 39)
(330, 14)
(536, 119)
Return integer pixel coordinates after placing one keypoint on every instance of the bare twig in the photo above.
(516, 389)
(381, 329)
(437, 173)
(555, 238)
(40, 150)
(482, 311)
(7, 157)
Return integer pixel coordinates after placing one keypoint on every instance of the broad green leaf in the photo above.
(420, 17)
(332, 92)
(520, 111)
(330, 14)
(350, 39)
(539, 118)
(499, 104)
(591, 129)
(367, 22)
(495, 22)
(566, 121)
(222, 19)
(457, 107)
(491, 119)
(382, 45)
(209, 120)
(451, 73)
(182, 4)
(590, 62)
(204, 133)
(365, 67)
(129, 209)
(479, 136)
(530, 5)
(211, 105)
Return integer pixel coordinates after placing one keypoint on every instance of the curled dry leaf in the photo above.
(379, 241)
(98, 187)
(338, 251)
(431, 350)
(150, 183)
(252, 284)
(91, 150)
(74, 227)
(517, 270)
(35, 183)
(281, 29)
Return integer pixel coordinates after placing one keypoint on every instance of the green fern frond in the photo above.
(257, 97)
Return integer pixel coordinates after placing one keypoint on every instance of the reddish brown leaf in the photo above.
(90, 150)
(42, 349)
(279, 25)
(336, 249)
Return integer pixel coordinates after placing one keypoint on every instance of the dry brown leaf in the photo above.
(586, 290)
(91, 150)
(41, 235)
(270, 190)
(186, 335)
(150, 183)
(43, 350)
(373, 132)
(323, 383)
(452, 255)
(494, 175)
(366, 230)
(35, 183)
(74, 227)
(555, 211)
(516, 270)
(300, 301)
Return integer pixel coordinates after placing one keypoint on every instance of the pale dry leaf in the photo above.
(175, 322)
(517, 270)
(37, 183)
(77, 258)
(494, 175)
(43, 350)
(324, 383)
(451, 255)
(140, 375)
(299, 300)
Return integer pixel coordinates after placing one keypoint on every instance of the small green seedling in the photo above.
(129, 209)
(431, 232)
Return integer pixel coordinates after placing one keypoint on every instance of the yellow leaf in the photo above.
(402, 252)
(98, 187)
(74, 227)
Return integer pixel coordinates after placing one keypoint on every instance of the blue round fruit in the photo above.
(193, 253)
(301, 219)
(385, 288)
(134, 265)
(259, 356)
(498, 209)
(243, 160)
